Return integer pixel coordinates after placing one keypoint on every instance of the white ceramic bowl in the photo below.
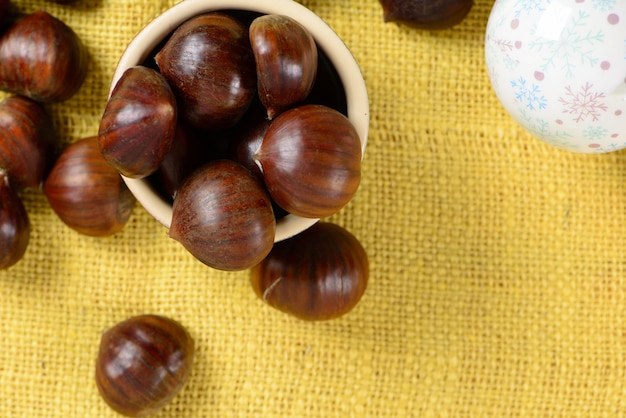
(327, 40)
(559, 69)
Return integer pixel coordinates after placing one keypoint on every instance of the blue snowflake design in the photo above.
(603, 5)
(540, 128)
(529, 96)
(575, 46)
(595, 133)
(529, 6)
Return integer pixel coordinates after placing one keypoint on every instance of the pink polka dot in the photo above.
(613, 19)
(605, 65)
(518, 44)
(559, 122)
(618, 112)
(539, 75)
(594, 145)
(514, 23)
(614, 135)
(580, 1)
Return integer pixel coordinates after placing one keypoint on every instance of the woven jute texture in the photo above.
(497, 262)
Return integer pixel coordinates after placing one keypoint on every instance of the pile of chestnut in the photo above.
(42, 61)
(229, 126)
(240, 120)
(212, 76)
(238, 124)
(233, 120)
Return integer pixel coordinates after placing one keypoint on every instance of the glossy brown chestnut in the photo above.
(139, 122)
(182, 159)
(286, 61)
(190, 150)
(210, 65)
(27, 141)
(42, 58)
(14, 224)
(247, 135)
(223, 216)
(143, 362)
(318, 274)
(426, 14)
(87, 193)
(311, 160)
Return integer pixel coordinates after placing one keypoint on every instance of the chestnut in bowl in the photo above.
(145, 44)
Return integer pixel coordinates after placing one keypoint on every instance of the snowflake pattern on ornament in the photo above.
(575, 46)
(583, 103)
(530, 96)
(528, 6)
(594, 133)
(603, 5)
(543, 130)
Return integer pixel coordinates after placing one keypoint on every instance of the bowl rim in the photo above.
(325, 37)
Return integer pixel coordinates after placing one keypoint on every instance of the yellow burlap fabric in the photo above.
(498, 263)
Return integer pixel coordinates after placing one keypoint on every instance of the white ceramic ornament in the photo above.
(559, 69)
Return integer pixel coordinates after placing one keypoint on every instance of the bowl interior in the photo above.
(327, 41)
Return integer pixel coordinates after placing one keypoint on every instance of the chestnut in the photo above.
(210, 65)
(426, 14)
(286, 61)
(190, 150)
(247, 135)
(142, 363)
(27, 141)
(310, 157)
(14, 224)
(318, 274)
(139, 122)
(246, 138)
(42, 58)
(86, 193)
(223, 216)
